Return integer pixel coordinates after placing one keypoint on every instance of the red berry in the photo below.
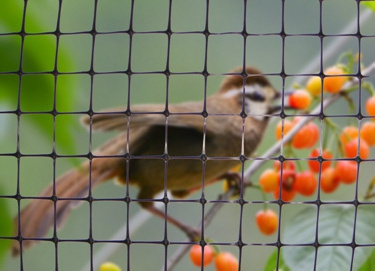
(305, 183)
(196, 255)
(314, 165)
(300, 99)
(370, 106)
(348, 133)
(346, 171)
(351, 149)
(267, 221)
(282, 128)
(226, 261)
(368, 132)
(329, 181)
(286, 165)
(268, 180)
(286, 195)
(286, 178)
(306, 137)
(334, 84)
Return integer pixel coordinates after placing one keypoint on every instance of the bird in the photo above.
(159, 147)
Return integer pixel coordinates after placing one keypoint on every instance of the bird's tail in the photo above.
(54, 204)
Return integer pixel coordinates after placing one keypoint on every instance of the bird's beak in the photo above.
(277, 95)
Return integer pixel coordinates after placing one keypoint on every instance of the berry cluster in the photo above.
(289, 178)
(332, 83)
(224, 261)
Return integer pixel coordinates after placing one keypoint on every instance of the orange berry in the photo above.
(305, 183)
(267, 221)
(285, 194)
(314, 165)
(288, 125)
(314, 86)
(370, 106)
(368, 133)
(346, 171)
(306, 137)
(286, 165)
(286, 179)
(226, 261)
(314, 134)
(329, 181)
(334, 84)
(351, 149)
(268, 180)
(348, 133)
(300, 99)
(196, 255)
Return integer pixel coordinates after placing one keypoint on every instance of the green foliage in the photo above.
(5, 228)
(369, 4)
(34, 92)
(369, 265)
(338, 226)
(273, 260)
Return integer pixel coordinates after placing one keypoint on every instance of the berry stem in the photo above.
(334, 128)
(369, 192)
(350, 102)
(264, 198)
(369, 87)
(332, 138)
(298, 161)
(288, 150)
(350, 60)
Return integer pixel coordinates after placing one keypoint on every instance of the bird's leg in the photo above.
(192, 233)
(233, 180)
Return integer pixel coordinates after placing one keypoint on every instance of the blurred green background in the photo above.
(109, 54)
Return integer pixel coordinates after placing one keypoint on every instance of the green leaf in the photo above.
(369, 265)
(369, 4)
(6, 225)
(35, 92)
(11, 16)
(336, 226)
(273, 260)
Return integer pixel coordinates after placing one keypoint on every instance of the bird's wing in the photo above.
(145, 115)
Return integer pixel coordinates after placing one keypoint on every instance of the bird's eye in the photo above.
(255, 96)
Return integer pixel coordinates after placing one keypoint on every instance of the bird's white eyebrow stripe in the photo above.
(235, 91)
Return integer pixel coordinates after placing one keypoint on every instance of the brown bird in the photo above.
(176, 147)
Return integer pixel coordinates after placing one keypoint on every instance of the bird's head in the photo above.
(252, 90)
